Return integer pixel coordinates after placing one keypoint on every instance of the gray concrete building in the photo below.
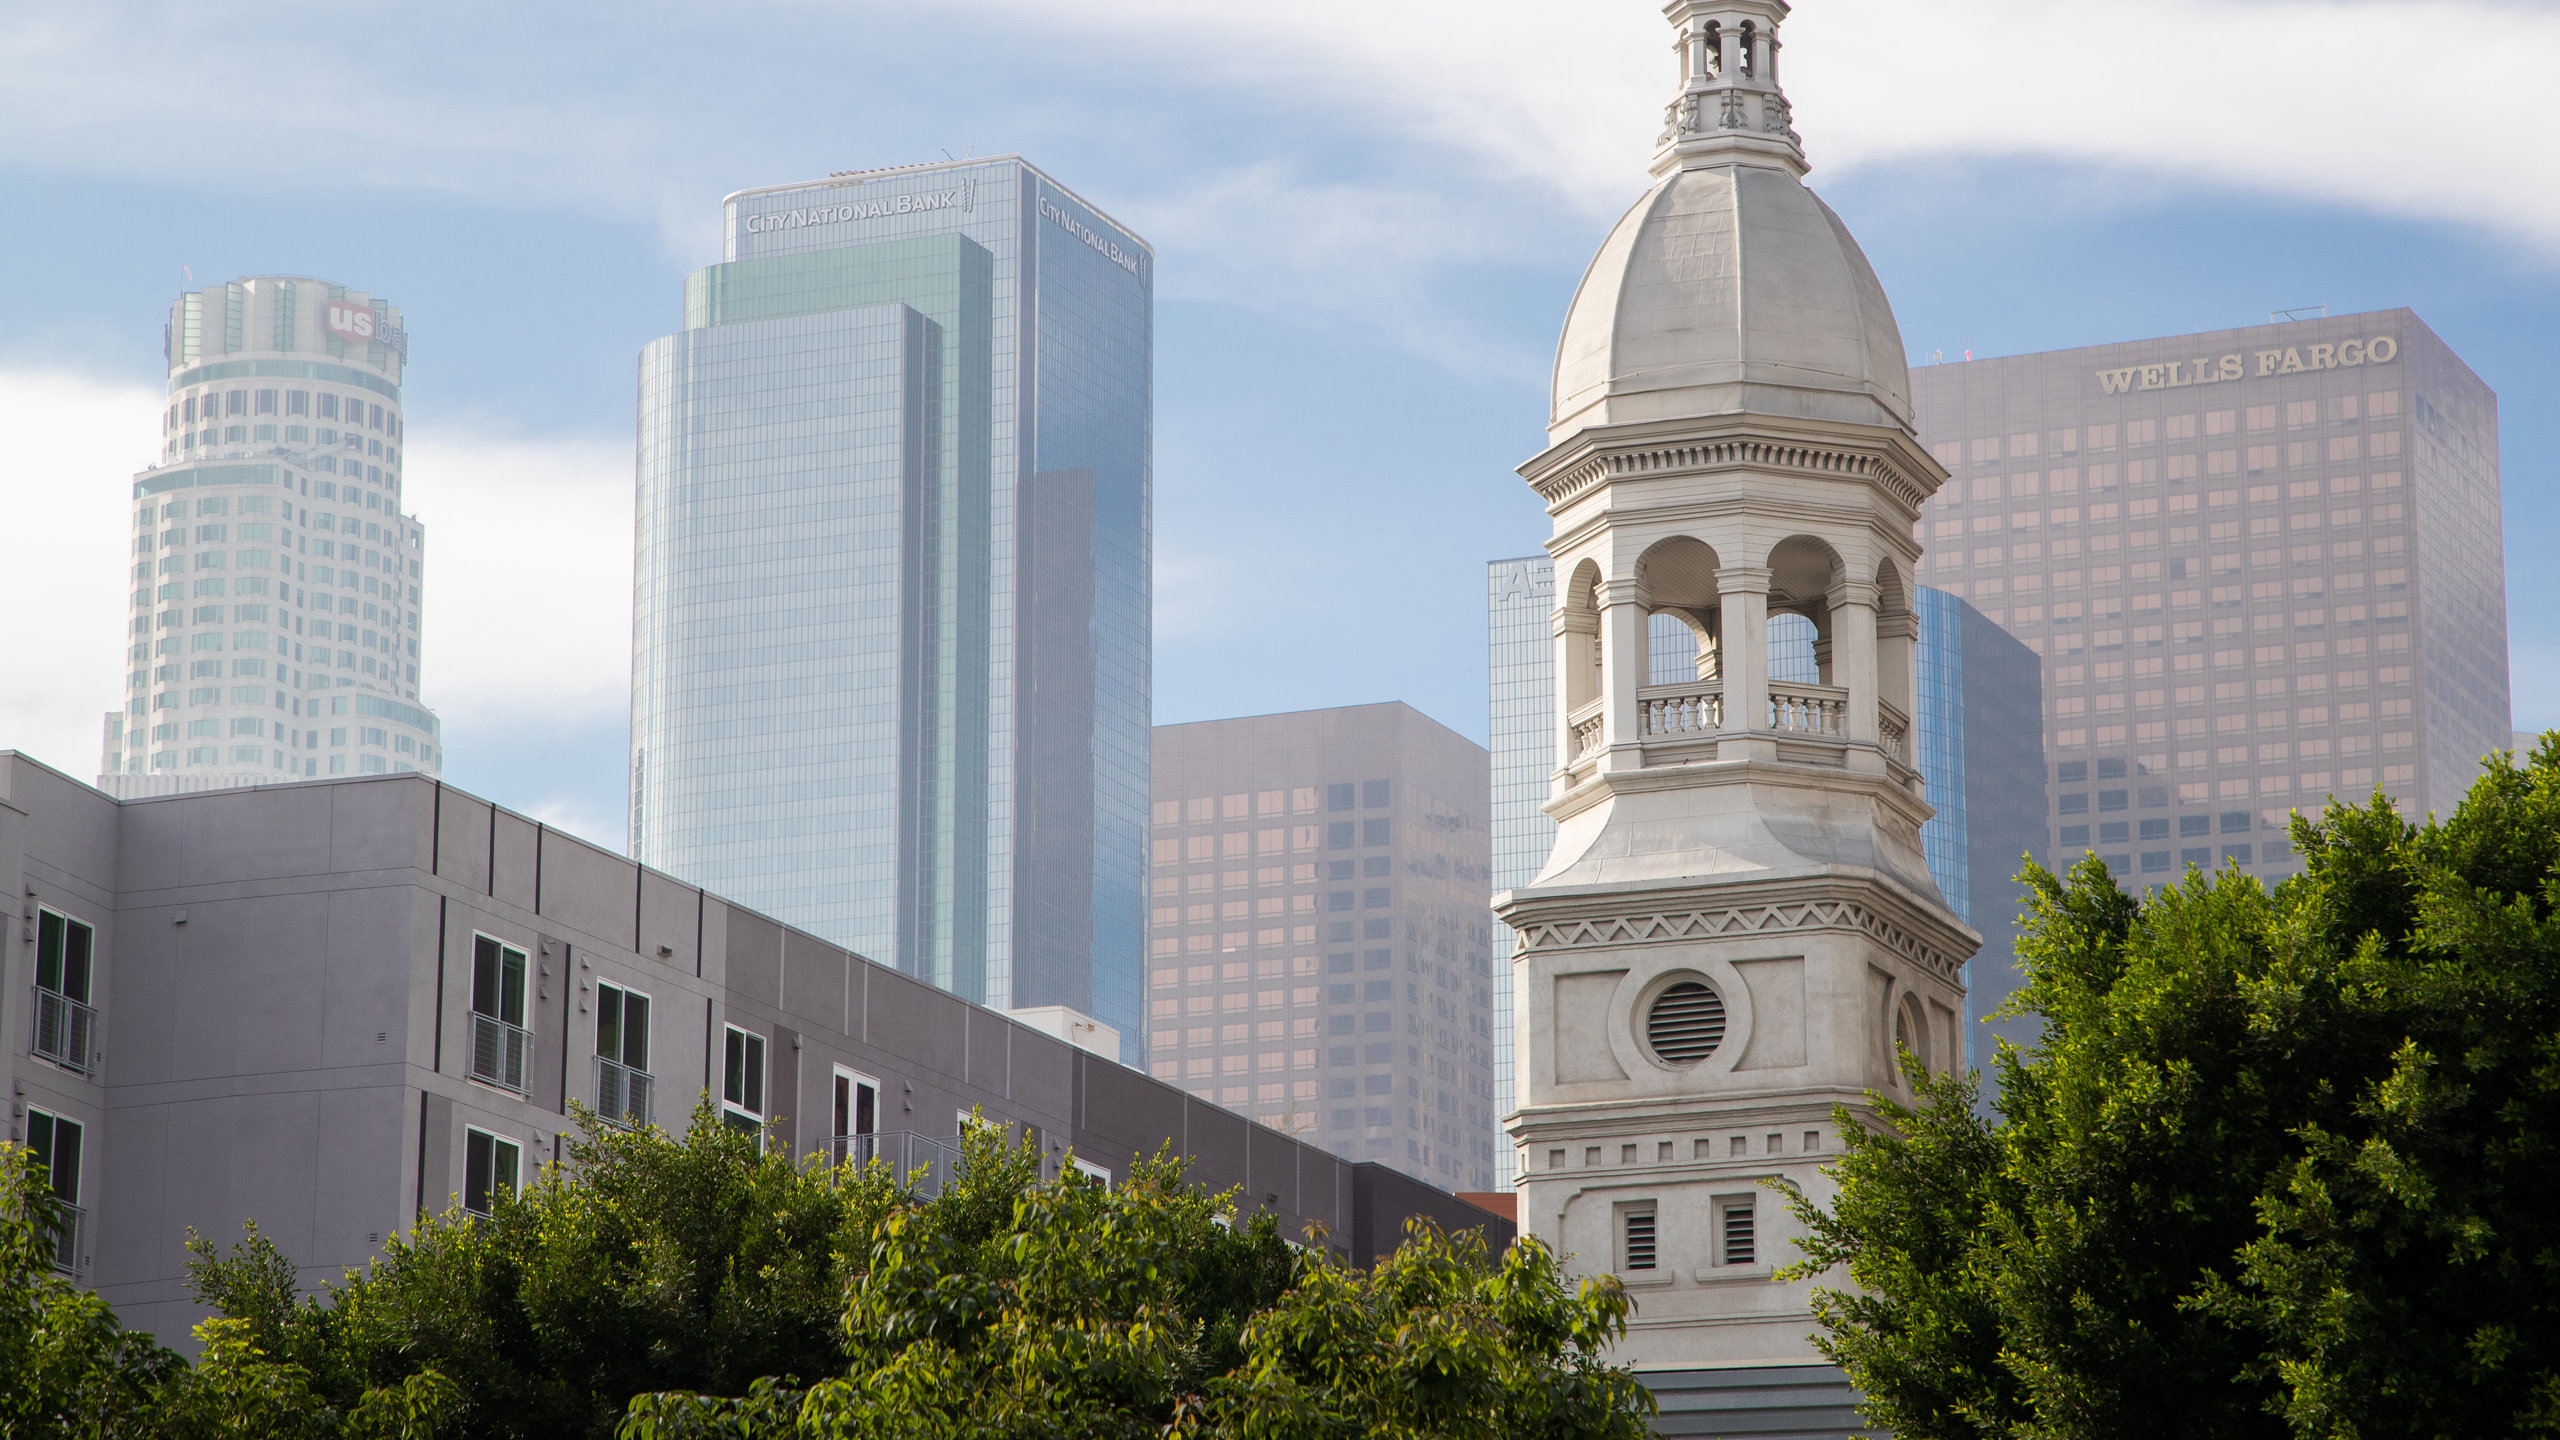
(1320, 942)
(2263, 567)
(334, 1006)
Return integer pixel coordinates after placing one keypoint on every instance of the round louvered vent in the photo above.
(1686, 1023)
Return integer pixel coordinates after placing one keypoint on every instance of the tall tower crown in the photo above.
(1736, 931)
(1729, 287)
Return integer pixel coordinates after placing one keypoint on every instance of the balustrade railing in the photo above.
(66, 1030)
(1680, 712)
(623, 1094)
(69, 1233)
(921, 1162)
(1587, 729)
(499, 1052)
(1894, 731)
(1820, 711)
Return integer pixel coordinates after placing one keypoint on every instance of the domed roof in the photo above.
(1729, 288)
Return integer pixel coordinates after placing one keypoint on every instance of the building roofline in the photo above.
(1405, 705)
(2399, 310)
(857, 177)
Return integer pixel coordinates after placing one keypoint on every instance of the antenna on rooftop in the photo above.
(2298, 312)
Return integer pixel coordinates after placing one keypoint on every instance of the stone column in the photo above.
(1576, 633)
(1623, 610)
(1745, 593)
(1894, 636)
(1853, 664)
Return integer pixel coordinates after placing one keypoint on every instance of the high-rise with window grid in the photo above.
(277, 581)
(1320, 942)
(890, 635)
(2263, 567)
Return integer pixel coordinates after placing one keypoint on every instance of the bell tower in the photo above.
(1736, 930)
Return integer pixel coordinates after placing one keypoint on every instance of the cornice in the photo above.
(1889, 461)
(1836, 903)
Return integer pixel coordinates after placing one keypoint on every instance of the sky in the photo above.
(1368, 218)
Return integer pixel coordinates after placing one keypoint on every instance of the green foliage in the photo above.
(2282, 1164)
(651, 1261)
(1011, 1307)
(66, 1368)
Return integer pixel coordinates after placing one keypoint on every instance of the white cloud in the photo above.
(528, 577)
(66, 488)
(2437, 108)
(528, 613)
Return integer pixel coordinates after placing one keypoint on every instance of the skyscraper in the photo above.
(1319, 939)
(272, 560)
(1978, 725)
(891, 609)
(2262, 565)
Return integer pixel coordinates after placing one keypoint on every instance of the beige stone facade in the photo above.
(1737, 928)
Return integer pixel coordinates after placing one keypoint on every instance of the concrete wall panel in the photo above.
(589, 890)
(462, 839)
(514, 852)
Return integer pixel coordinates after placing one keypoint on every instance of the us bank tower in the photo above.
(277, 575)
(891, 640)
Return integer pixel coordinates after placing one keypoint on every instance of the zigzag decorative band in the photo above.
(1743, 920)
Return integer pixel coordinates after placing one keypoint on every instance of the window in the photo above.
(742, 1081)
(1100, 1173)
(857, 1115)
(1636, 1247)
(1735, 1242)
(1338, 835)
(491, 1166)
(65, 956)
(56, 1143)
(501, 1048)
(1373, 832)
(1373, 794)
(622, 1055)
(1337, 797)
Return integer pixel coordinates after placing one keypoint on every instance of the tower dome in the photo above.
(1729, 287)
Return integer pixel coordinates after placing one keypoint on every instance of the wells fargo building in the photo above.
(2262, 567)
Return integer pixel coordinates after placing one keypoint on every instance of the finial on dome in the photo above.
(1729, 106)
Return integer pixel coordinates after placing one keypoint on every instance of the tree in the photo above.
(650, 1261)
(70, 1370)
(1013, 1307)
(2282, 1163)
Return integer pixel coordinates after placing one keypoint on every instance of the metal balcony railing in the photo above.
(66, 1030)
(623, 1095)
(70, 1240)
(500, 1052)
(924, 1163)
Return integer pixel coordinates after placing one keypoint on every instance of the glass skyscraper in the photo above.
(891, 608)
(1980, 746)
(271, 559)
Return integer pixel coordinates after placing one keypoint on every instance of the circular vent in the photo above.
(1686, 1024)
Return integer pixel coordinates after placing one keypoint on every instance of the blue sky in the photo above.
(1369, 220)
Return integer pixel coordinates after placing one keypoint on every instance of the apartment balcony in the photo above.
(624, 1096)
(919, 1162)
(500, 1052)
(66, 1031)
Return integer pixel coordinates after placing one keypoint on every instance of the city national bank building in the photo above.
(891, 636)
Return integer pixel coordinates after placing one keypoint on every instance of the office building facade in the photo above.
(2263, 567)
(891, 642)
(277, 578)
(1978, 729)
(1319, 943)
(337, 1007)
